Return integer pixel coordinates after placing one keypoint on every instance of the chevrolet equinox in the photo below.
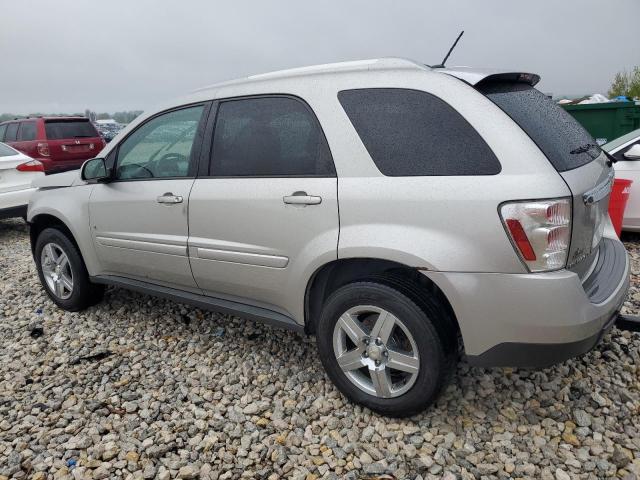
(401, 213)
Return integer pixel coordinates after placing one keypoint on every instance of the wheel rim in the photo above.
(376, 351)
(56, 270)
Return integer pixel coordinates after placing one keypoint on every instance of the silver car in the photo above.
(403, 214)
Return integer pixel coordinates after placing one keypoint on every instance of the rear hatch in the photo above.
(572, 152)
(72, 139)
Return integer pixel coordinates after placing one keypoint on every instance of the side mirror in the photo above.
(633, 153)
(95, 171)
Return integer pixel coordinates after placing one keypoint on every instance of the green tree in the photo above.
(626, 83)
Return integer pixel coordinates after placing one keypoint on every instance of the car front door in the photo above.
(139, 219)
(266, 209)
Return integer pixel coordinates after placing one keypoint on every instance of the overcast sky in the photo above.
(68, 55)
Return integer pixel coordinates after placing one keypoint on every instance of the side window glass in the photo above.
(414, 133)
(3, 128)
(12, 133)
(161, 147)
(27, 131)
(269, 136)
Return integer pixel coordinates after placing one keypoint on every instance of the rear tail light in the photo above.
(43, 149)
(540, 232)
(31, 166)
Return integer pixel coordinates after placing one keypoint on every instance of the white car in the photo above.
(626, 150)
(17, 172)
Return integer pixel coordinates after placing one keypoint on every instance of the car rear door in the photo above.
(139, 220)
(265, 208)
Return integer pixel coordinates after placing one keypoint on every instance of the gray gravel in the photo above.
(144, 388)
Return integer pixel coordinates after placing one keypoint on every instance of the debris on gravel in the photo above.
(132, 389)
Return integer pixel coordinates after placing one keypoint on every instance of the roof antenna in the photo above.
(441, 65)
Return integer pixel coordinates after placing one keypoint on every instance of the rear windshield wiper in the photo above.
(584, 148)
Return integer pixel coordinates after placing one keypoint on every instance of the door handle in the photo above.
(301, 198)
(169, 198)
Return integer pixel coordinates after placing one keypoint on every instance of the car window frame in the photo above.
(3, 129)
(17, 128)
(194, 157)
(19, 132)
(206, 157)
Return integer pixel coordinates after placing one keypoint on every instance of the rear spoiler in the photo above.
(477, 77)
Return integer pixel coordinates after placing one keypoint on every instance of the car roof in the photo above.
(615, 143)
(468, 74)
(47, 118)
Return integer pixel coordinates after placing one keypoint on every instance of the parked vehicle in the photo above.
(394, 210)
(17, 172)
(59, 143)
(626, 150)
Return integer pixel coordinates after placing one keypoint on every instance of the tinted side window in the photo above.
(413, 133)
(27, 131)
(269, 136)
(161, 147)
(3, 128)
(12, 132)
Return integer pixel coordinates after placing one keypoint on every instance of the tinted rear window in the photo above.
(60, 129)
(560, 137)
(414, 133)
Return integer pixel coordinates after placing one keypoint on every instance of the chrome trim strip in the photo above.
(599, 192)
(167, 249)
(247, 258)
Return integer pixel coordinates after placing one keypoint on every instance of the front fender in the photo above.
(71, 207)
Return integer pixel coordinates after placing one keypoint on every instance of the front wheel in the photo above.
(62, 272)
(381, 349)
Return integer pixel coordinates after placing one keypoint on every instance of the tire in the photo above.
(82, 293)
(395, 393)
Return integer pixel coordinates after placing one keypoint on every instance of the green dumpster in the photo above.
(606, 121)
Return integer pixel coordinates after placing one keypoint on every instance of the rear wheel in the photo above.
(381, 349)
(62, 272)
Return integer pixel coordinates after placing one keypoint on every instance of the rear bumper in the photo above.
(536, 320)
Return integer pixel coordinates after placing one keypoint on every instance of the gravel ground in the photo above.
(144, 388)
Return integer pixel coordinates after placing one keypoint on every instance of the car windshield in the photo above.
(60, 129)
(7, 151)
(561, 138)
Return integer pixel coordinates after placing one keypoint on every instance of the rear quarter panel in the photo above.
(443, 223)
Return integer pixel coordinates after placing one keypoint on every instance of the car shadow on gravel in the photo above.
(12, 226)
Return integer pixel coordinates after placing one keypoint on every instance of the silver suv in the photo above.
(403, 214)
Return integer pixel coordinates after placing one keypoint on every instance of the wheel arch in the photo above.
(409, 280)
(42, 221)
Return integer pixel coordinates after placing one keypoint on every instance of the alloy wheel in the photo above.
(376, 351)
(56, 270)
